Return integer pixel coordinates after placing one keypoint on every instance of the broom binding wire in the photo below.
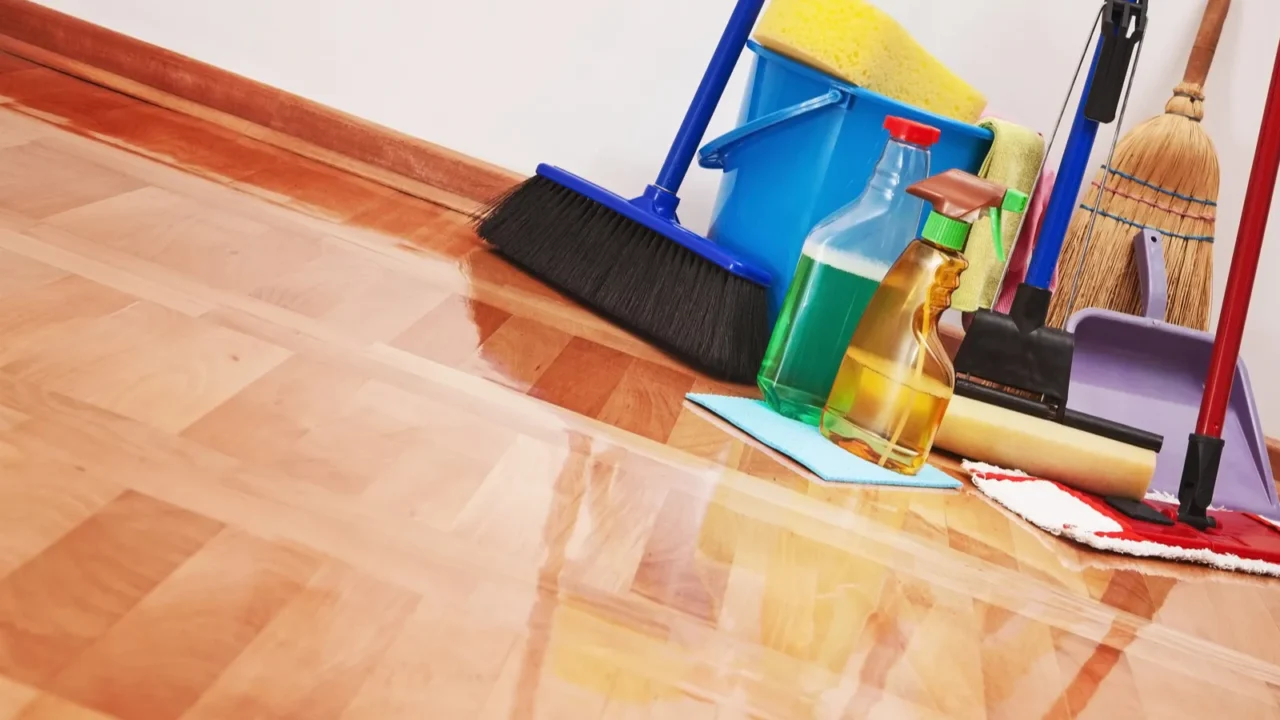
(1178, 198)
(1187, 101)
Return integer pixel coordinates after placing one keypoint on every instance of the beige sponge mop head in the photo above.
(859, 43)
(1046, 449)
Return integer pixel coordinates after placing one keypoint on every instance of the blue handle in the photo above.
(712, 155)
(714, 80)
(1066, 189)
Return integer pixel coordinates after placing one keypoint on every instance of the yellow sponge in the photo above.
(859, 43)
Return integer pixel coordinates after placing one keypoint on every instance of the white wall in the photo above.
(583, 84)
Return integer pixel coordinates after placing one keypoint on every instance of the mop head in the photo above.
(859, 43)
(1246, 543)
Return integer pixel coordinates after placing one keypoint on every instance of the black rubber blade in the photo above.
(1088, 423)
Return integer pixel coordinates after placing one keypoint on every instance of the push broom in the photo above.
(631, 259)
(1164, 177)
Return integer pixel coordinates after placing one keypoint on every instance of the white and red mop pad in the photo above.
(1241, 542)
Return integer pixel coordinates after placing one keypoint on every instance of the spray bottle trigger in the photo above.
(1014, 201)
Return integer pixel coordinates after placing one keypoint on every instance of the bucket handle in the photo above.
(712, 155)
(1148, 253)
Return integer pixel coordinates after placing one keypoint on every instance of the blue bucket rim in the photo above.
(795, 66)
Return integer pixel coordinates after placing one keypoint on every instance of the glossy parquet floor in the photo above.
(279, 443)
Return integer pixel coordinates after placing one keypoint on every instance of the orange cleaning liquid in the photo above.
(890, 420)
(896, 380)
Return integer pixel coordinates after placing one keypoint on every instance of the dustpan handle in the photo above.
(1244, 265)
(1148, 254)
(714, 80)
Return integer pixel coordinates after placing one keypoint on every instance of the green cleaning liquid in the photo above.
(844, 258)
(824, 304)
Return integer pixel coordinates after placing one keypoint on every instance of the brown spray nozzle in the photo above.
(958, 195)
(957, 198)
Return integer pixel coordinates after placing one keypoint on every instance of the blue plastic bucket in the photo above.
(806, 145)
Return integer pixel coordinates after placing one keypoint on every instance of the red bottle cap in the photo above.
(912, 132)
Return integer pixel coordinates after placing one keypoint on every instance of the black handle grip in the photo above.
(1124, 23)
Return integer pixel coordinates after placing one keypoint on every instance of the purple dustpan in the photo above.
(1145, 372)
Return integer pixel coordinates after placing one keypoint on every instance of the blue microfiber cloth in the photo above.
(804, 444)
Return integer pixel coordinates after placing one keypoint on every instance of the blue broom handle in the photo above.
(1066, 189)
(714, 80)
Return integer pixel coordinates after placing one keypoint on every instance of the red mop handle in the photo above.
(1244, 266)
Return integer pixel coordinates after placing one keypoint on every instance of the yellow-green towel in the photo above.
(1014, 161)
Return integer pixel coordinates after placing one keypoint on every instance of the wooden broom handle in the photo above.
(1215, 15)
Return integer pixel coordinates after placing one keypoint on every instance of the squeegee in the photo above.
(1016, 361)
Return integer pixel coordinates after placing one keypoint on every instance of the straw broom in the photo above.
(1165, 177)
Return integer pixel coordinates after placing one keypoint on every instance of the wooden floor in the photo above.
(280, 443)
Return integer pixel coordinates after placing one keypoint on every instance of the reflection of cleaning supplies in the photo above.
(841, 265)
(1016, 361)
(860, 43)
(1164, 176)
(1014, 161)
(896, 379)
(631, 259)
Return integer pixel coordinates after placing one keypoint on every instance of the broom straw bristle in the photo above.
(1166, 178)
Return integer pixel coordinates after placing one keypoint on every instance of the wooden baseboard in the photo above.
(165, 78)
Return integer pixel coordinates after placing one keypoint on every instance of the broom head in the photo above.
(636, 267)
(1165, 177)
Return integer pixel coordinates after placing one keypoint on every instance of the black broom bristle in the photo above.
(697, 311)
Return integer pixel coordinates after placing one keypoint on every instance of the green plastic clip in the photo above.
(1014, 201)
